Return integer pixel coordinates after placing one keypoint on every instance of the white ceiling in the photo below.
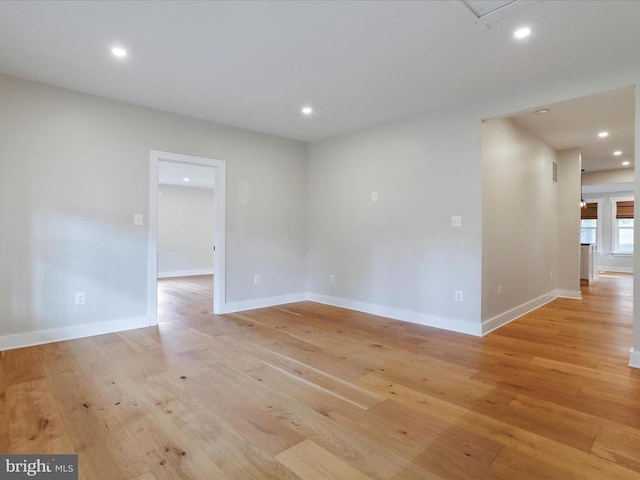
(174, 173)
(608, 188)
(254, 64)
(576, 123)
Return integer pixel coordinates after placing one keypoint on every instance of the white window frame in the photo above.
(599, 222)
(614, 225)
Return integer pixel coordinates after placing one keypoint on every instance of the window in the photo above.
(588, 231)
(623, 230)
(625, 235)
(589, 223)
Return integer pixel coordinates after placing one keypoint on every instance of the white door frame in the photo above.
(219, 296)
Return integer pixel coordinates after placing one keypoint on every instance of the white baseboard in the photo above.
(572, 294)
(9, 342)
(634, 358)
(602, 268)
(186, 273)
(516, 312)
(20, 340)
(426, 319)
(233, 307)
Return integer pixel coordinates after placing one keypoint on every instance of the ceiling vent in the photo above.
(481, 8)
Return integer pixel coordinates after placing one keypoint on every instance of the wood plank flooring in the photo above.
(310, 392)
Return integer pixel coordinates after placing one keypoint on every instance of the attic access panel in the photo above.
(480, 8)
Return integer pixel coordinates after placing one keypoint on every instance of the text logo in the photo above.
(50, 467)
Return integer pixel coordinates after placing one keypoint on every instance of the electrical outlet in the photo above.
(332, 278)
(499, 289)
(456, 221)
(374, 196)
(458, 295)
(256, 279)
(79, 298)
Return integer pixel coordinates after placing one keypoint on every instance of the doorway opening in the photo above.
(540, 166)
(186, 228)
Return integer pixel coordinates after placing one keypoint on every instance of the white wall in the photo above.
(607, 260)
(74, 169)
(605, 177)
(520, 220)
(569, 171)
(185, 230)
(398, 256)
(634, 357)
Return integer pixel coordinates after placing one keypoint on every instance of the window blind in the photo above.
(624, 209)
(590, 212)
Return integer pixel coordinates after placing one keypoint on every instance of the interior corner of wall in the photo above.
(634, 358)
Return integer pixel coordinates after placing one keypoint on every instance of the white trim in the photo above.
(185, 273)
(572, 294)
(517, 312)
(634, 358)
(429, 320)
(599, 223)
(60, 334)
(614, 224)
(219, 266)
(603, 268)
(152, 251)
(243, 305)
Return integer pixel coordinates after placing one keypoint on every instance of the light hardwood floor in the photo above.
(306, 391)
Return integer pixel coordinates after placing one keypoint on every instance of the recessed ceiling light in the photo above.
(186, 179)
(522, 32)
(119, 52)
(307, 110)
(603, 134)
(542, 111)
(625, 163)
(617, 153)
